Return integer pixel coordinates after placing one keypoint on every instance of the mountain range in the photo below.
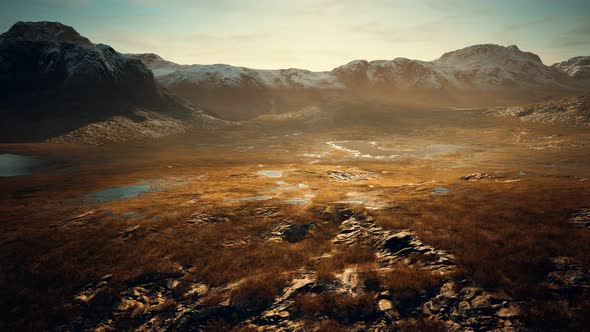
(57, 84)
(482, 75)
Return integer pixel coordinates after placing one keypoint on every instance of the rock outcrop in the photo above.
(569, 111)
(577, 67)
(164, 301)
(581, 218)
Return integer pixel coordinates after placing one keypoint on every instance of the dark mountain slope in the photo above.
(54, 81)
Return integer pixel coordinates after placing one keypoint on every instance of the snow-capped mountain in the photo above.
(54, 81)
(578, 67)
(488, 74)
(400, 73)
(485, 66)
(158, 65)
(479, 67)
(238, 93)
(493, 66)
(221, 75)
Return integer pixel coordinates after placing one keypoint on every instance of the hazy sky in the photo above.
(315, 34)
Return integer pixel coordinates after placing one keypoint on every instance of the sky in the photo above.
(315, 34)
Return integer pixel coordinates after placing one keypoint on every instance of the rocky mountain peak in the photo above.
(45, 31)
(488, 54)
(149, 58)
(356, 65)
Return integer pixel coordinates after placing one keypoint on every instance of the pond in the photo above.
(112, 194)
(440, 190)
(17, 165)
(296, 201)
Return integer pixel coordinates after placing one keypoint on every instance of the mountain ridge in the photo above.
(489, 74)
(52, 62)
(576, 67)
(502, 65)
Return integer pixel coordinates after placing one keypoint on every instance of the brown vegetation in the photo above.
(409, 282)
(338, 260)
(503, 236)
(343, 308)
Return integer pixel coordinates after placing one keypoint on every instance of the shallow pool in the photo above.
(440, 190)
(112, 194)
(296, 201)
(16, 165)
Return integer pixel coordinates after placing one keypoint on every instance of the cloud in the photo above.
(248, 37)
(323, 7)
(579, 35)
(421, 32)
(508, 32)
(445, 5)
(58, 4)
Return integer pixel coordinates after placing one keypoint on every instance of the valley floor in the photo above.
(360, 217)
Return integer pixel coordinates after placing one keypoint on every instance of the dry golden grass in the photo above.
(502, 235)
(343, 308)
(409, 282)
(256, 294)
(506, 243)
(503, 245)
(326, 268)
(329, 325)
(421, 325)
(371, 280)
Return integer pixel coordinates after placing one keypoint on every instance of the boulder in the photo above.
(291, 232)
(398, 242)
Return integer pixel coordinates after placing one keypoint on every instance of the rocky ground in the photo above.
(581, 218)
(570, 111)
(354, 297)
(144, 124)
(491, 236)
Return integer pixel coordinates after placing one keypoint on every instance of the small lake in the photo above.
(112, 194)
(17, 165)
(296, 201)
(440, 190)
